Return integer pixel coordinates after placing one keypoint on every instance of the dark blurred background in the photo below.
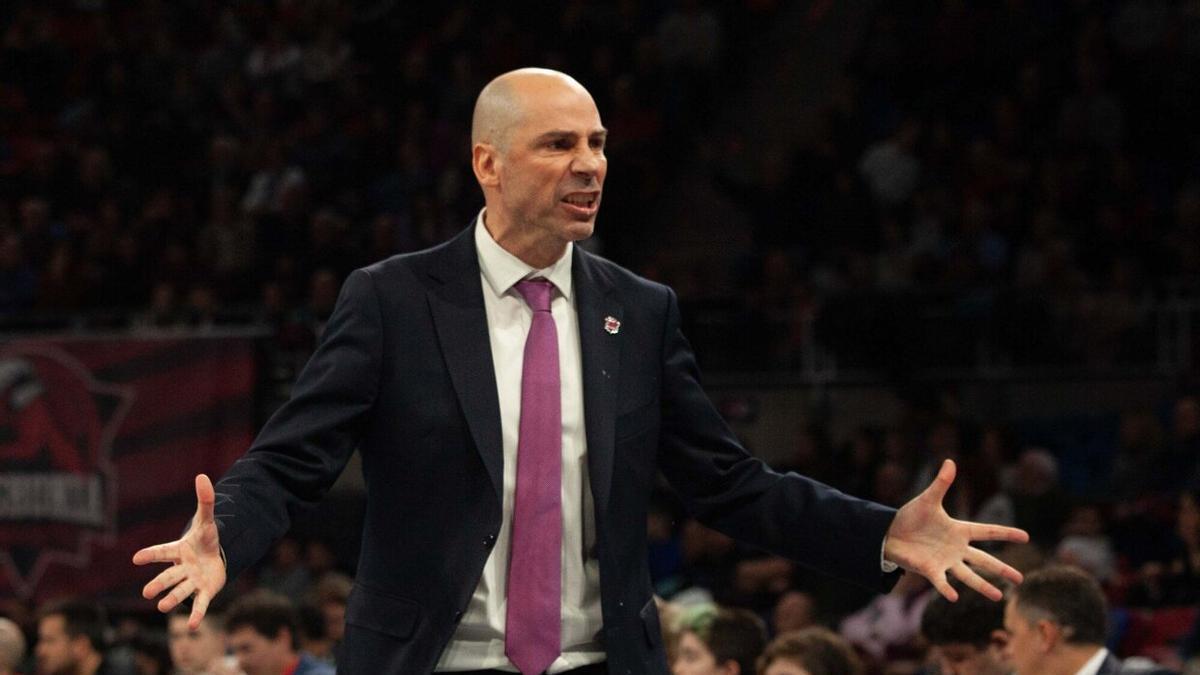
(899, 232)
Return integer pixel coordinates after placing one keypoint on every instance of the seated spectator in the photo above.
(967, 636)
(12, 646)
(263, 631)
(795, 610)
(1056, 621)
(887, 627)
(810, 651)
(71, 639)
(202, 651)
(718, 641)
(150, 653)
(1175, 578)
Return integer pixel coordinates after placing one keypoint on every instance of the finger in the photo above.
(205, 498)
(992, 565)
(943, 586)
(168, 552)
(942, 482)
(169, 577)
(199, 609)
(985, 532)
(176, 596)
(969, 577)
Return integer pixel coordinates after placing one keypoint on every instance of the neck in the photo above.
(539, 252)
(1071, 658)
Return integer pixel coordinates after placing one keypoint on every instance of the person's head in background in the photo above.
(810, 651)
(718, 641)
(263, 629)
(1056, 621)
(151, 655)
(330, 595)
(794, 610)
(967, 636)
(194, 651)
(12, 646)
(70, 638)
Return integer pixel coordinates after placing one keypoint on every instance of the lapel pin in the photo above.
(611, 325)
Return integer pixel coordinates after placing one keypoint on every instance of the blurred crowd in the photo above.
(188, 163)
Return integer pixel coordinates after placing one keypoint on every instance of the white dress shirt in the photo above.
(1093, 664)
(478, 642)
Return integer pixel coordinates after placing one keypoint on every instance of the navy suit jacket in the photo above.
(404, 373)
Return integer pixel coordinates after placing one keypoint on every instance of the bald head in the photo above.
(501, 104)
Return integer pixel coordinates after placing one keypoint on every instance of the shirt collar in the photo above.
(1093, 664)
(502, 269)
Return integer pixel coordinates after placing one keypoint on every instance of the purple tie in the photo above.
(532, 635)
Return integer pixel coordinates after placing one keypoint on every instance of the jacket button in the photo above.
(489, 540)
(458, 617)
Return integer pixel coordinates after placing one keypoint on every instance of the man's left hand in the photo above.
(924, 539)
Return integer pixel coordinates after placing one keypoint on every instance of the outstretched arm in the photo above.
(924, 539)
(196, 564)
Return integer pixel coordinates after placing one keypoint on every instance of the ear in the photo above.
(998, 638)
(485, 162)
(1048, 632)
(731, 667)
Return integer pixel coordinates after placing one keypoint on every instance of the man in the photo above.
(263, 632)
(1056, 621)
(71, 640)
(201, 651)
(12, 646)
(513, 398)
(967, 636)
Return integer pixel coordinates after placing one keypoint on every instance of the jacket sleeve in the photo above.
(726, 488)
(305, 445)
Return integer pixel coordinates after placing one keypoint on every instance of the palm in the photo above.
(924, 539)
(196, 564)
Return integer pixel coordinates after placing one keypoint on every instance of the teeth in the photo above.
(579, 200)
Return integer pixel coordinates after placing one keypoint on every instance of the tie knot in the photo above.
(536, 293)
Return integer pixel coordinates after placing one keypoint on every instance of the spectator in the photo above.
(202, 651)
(886, 629)
(967, 636)
(718, 641)
(811, 651)
(263, 633)
(794, 610)
(1056, 621)
(71, 640)
(12, 646)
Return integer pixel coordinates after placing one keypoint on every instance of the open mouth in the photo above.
(584, 202)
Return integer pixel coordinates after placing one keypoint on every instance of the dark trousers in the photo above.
(592, 669)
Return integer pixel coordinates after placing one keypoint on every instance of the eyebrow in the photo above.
(562, 133)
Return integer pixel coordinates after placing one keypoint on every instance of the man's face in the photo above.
(55, 651)
(193, 651)
(260, 655)
(553, 169)
(960, 658)
(1026, 649)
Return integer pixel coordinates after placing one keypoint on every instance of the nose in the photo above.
(587, 162)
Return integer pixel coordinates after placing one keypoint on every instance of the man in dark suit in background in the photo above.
(513, 398)
(1057, 624)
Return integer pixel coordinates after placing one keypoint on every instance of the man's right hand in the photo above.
(196, 564)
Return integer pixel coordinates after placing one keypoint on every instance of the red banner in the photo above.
(100, 440)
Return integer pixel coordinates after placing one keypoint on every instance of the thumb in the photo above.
(205, 499)
(941, 484)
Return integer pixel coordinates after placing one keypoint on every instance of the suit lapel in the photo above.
(601, 356)
(456, 301)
